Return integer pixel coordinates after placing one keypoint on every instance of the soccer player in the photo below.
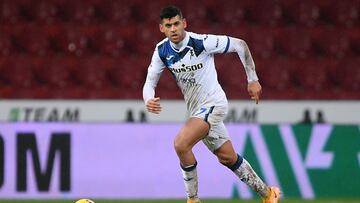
(190, 59)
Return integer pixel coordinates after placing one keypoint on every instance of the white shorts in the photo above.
(218, 134)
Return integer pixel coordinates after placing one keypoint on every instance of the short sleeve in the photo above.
(216, 43)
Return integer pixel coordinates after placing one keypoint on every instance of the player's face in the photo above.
(174, 28)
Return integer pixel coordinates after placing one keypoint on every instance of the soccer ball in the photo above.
(84, 201)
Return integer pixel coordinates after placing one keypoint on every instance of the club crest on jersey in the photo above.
(186, 68)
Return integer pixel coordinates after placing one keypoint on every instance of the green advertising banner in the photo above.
(50, 161)
(309, 161)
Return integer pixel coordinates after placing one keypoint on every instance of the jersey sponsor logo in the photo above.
(185, 68)
(189, 82)
(170, 57)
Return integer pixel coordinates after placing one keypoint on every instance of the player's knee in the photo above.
(181, 147)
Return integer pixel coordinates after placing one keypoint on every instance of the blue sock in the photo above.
(237, 164)
(189, 168)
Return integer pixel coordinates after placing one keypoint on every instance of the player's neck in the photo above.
(182, 44)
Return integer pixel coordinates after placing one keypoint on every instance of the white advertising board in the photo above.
(335, 112)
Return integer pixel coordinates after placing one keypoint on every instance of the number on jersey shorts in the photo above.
(214, 115)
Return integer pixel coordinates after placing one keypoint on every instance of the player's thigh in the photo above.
(194, 130)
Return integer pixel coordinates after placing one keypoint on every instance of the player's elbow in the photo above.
(239, 45)
(243, 44)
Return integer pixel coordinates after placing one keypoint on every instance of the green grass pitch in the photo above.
(183, 201)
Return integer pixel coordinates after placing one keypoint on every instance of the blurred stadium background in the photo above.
(73, 123)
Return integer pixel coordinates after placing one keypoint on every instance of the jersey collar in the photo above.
(181, 45)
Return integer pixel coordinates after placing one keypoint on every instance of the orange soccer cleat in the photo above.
(193, 201)
(273, 195)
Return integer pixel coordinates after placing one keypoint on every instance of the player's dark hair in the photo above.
(170, 12)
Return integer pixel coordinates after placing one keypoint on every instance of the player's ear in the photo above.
(161, 28)
(184, 22)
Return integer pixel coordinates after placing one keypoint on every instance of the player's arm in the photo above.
(241, 48)
(224, 44)
(153, 75)
(152, 103)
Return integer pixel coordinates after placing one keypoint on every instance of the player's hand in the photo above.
(153, 105)
(254, 89)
